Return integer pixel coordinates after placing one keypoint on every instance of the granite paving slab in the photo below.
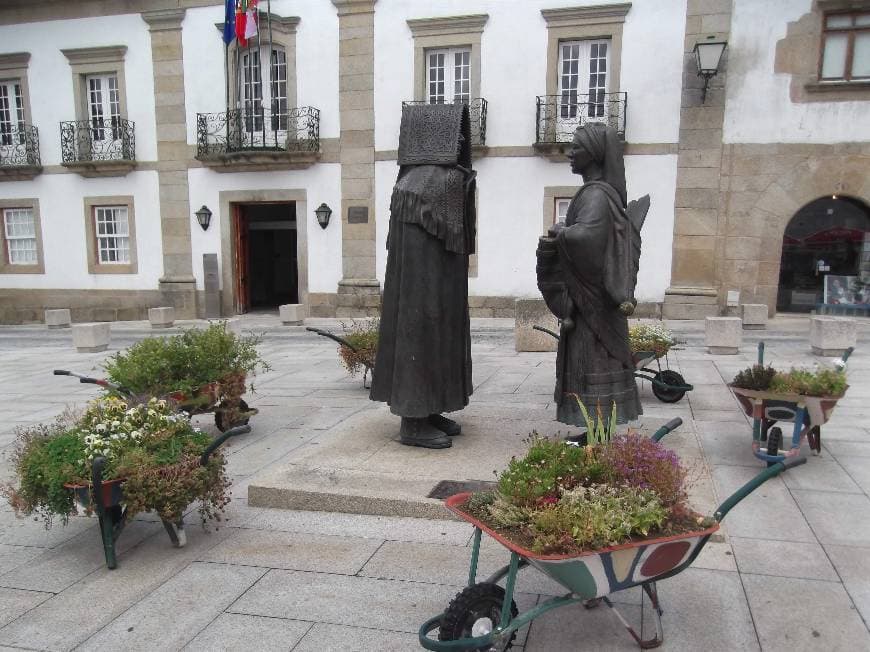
(231, 632)
(794, 615)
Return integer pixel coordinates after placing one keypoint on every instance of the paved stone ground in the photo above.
(791, 573)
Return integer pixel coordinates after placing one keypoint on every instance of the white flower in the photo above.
(115, 437)
(135, 434)
(116, 424)
(100, 427)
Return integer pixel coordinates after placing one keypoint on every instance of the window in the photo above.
(447, 58)
(110, 231)
(11, 113)
(846, 47)
(583, 78)
(448, 75)
(263, 106)
(113, 235)
(20, 237)
(20, 229)
(104, 106)
(560, 212)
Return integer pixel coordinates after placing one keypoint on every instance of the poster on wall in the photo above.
(846, 290)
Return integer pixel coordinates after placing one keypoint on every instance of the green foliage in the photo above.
(363, 336)
(155, 451)
(824, 382)
(157, 366)
(597, 516)
(598, 431)
(757, 377)
(548, 467)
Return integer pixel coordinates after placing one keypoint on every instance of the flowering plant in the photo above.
(152, 450)
(819, 381)
(560, 498)
(650, 337)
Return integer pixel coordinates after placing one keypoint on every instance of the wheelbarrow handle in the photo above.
(332, 336)
(670, 426)
(217, 443)
(757, 481)
(87, 380)
(545, 330)
(847, 353)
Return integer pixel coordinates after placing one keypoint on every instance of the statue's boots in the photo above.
(419, 432)
(448, 426)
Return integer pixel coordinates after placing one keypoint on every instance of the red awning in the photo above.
(835, 234)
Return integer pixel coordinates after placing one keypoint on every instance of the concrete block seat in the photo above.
(531, 313)
(723, 335)
(163, 317)
(59, 318)
(91, 338)
(831, 336)
(292, 314)
(754, 316)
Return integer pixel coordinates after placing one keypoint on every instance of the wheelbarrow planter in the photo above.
(106, 498)
(367, 362)
(211, 397)
(668, 386)
(807, 414)
(484, 616)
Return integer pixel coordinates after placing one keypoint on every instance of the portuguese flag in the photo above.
(246, 21)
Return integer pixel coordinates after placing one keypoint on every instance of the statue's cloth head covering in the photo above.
(603, 144)
(435, 134)
(435, 188)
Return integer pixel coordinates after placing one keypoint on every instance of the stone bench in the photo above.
(831, 336)
(91, 338)
(723, 335)
(754, 316)
(529, 313)
(59, 318)
(161, 317)
(291, 314)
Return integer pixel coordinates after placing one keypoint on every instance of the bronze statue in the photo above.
(587, 271)
(423, 364)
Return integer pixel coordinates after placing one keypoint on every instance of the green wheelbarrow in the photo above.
(484, 616)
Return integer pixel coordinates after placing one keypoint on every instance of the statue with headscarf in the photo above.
(423, 364)
(587, 272)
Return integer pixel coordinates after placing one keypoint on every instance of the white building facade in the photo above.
(116, 129)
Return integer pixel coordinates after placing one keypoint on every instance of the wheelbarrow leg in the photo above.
(644, 643)
(176, 532)
(107, 531)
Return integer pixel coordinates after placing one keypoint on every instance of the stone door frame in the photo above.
(228, 263)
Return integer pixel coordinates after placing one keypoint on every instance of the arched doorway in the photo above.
(826, 243)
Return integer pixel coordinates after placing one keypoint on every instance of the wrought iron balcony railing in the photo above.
(559, 115)
(19, 147)
(87, 141)
(477, 113)
(240, 130)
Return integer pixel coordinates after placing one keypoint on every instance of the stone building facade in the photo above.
(727, 172)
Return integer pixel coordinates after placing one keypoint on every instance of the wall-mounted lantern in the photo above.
(323, 213)
(708, 55)
(203, 216)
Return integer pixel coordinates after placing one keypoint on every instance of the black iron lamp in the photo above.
(203, 216)
(323, 213)
(708, 55)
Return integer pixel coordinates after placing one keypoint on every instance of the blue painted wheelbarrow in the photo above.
(807, 413)
(484, 616)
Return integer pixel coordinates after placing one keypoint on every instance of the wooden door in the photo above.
(240, 229)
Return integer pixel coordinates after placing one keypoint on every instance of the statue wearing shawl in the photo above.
(587, 271)
(423, 364)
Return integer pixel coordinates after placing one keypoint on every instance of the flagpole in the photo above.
(273, 86)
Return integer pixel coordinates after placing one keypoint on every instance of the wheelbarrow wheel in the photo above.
(774, 441)
(476, 611)
(220, 418)
(667, 394)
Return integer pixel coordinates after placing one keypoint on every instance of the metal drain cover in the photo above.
(447, 488)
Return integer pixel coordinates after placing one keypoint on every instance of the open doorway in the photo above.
(826, 242)
(265, 255)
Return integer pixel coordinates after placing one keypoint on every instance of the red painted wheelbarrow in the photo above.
(484, 616)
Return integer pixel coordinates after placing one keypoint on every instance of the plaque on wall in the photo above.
(357, 214)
